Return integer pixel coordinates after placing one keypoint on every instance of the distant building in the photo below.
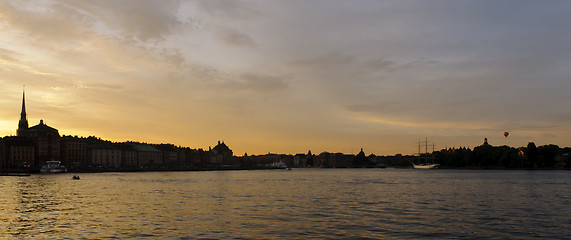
(485, 142)
(20, 153)
(45, 138)
(74, 152)
(199, 157)
(105, 155)
(299, 160)
(170, 154)
(184, 156)
(147, 155)
(221, 154)
(334, 160)
(47, 141)
(2, 153)
(128, 156)
(360, 160)
(23, 123)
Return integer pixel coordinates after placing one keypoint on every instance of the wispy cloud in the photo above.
(234, 37)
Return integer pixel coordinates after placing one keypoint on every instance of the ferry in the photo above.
(53, 167)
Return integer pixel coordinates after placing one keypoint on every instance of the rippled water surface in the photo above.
(298, 204)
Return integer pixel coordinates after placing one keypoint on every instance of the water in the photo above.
(298, 204)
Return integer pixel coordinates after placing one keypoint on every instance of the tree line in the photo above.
(488, 156)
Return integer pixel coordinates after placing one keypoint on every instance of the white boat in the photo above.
(53, 167)
(425, 160)
(277, 165)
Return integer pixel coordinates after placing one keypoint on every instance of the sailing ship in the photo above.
(425, 160)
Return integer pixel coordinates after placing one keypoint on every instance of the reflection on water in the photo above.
(299, 204)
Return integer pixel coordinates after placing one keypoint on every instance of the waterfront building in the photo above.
(184, 156)
(147, 155)
(170, 154)
(105, 155)
(2, 153)
(360, 160)
(74, 152)
(199, 157)
(221, 154)
(128, 156)
(19, 153)
(299, 160)
(46, 138)
(47, 142)
(334, 160)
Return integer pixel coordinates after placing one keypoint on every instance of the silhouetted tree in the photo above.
(507, 157)
(453, 157)
(532, 155)
(483, 155)
(567, 159)
(547, 155)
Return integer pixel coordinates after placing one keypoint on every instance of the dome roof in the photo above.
(42, 130)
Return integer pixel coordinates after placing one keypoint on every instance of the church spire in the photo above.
(23, 123)
(23, 114)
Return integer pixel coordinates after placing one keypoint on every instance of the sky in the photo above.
(291, 76)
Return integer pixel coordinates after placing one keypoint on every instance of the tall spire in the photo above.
(23, 123)
(23, 114)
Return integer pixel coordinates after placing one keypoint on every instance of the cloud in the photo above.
(344, 68)
(261, 83)
(211, 79)
(101, 86)
(242, 10)
(142, 20)
(387, 107)
(7, 55)
(236, 38)
(65, 22)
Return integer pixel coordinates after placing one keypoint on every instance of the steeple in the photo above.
(23, 123)
(23, 114)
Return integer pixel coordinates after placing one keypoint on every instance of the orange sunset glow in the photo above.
(290, 76)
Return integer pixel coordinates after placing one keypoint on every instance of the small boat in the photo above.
(53, 167)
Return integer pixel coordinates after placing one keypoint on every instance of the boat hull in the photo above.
(53, 170)
(53, 167)
(426, 166)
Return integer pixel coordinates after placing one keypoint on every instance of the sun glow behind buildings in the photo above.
(270, 77)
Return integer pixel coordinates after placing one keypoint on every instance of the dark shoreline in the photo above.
(204, 169)
(18, 172)
(500, 168)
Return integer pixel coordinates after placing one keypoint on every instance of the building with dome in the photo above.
(44, 139)
(221, 154)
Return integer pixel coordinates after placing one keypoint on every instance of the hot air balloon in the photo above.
(506, 134)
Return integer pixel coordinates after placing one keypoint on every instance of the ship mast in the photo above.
(424, 156)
